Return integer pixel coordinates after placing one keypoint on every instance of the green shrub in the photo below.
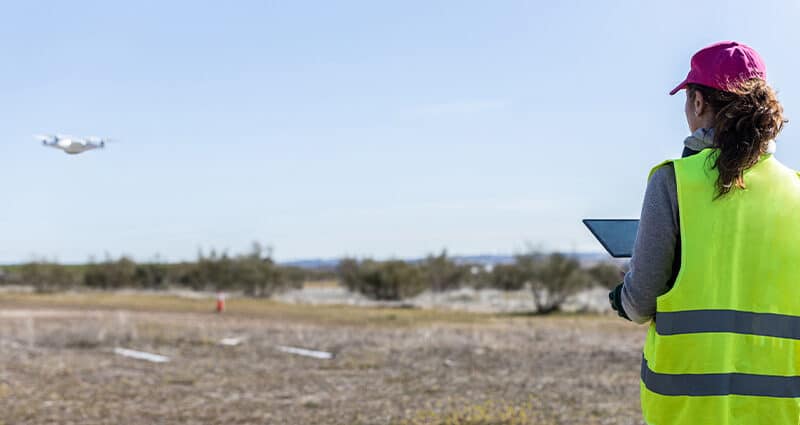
(348, 272)
(110, 274)
(389, 280)
(553, 278)
(255, 274)
(151, 276)
(47, 277)
(509, 277)
(443, 274)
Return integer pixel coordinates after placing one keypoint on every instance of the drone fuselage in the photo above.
(74, 146)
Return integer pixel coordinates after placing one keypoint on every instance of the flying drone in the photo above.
(72, 145)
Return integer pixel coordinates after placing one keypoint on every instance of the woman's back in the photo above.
(723, 345)
(730, 326)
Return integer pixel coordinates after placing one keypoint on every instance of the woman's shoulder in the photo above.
(662, 172)
(662, 188)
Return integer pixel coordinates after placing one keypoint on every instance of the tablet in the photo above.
(616, 235)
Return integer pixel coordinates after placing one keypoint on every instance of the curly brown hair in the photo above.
(746, 117)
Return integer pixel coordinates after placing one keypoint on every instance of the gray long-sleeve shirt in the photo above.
(654, 264)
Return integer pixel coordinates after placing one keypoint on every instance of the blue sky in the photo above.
(384, 129)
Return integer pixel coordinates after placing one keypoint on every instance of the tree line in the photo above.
(254, 274)
(551, 278)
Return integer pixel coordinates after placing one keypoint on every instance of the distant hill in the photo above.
(312, 263)
(485, 260)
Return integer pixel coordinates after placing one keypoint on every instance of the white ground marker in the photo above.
(324, 355)
(232, 342)
(141, 355)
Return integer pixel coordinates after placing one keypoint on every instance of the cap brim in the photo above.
(680, 87)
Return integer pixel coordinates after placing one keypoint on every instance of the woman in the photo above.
(716, 264)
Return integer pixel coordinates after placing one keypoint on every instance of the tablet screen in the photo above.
(616, 236)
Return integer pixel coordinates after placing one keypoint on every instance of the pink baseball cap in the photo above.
(722, 65)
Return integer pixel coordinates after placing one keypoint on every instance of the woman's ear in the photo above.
(699, 103)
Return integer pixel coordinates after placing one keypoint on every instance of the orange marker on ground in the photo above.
(220, 302)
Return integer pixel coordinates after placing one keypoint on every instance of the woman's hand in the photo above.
(615, 298)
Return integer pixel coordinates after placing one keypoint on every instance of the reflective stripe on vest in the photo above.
(741, 322)
(720, 384)
(724, 346)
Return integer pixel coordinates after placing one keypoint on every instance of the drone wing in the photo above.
(100, 141)
(44, 137)
(47, 140)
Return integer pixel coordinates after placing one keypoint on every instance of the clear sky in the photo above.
(370, 128)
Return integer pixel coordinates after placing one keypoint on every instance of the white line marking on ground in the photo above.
(324, 355)
(141, 355)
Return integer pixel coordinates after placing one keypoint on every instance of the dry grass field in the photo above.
(391, 366)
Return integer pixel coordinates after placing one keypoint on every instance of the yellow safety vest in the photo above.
(724, 346)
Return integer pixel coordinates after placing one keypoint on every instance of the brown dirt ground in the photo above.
(391, 366)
